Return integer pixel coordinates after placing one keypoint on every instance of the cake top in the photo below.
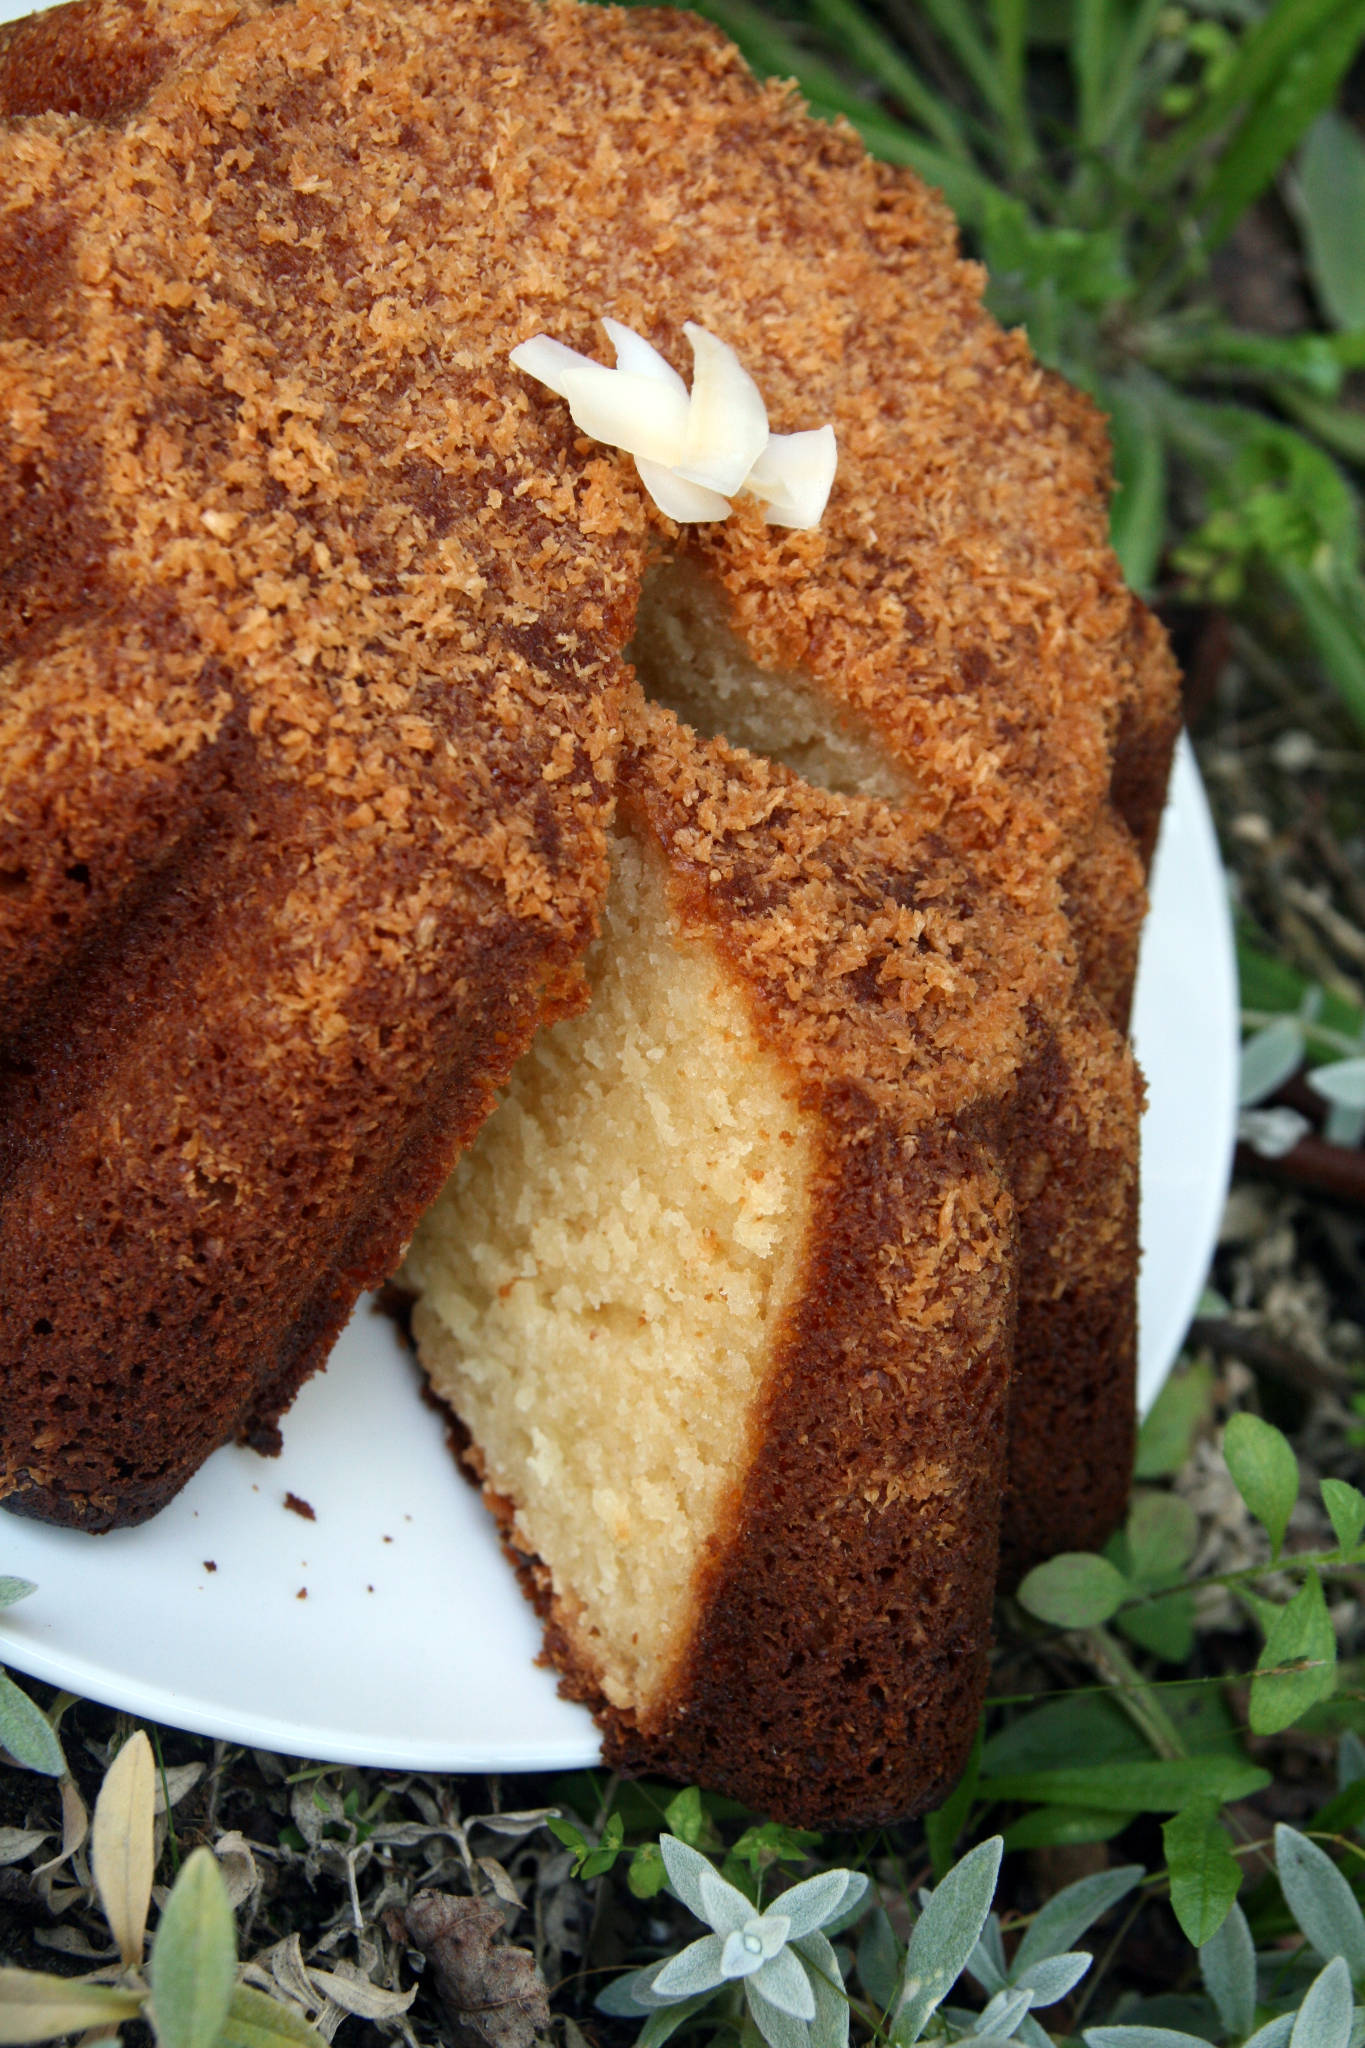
(271, 265)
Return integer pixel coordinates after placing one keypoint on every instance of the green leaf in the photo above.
(1305, 85)
(255, 2021)
(1162, 1785)
(1079, 1589)
(685, 1818)
(1204, 1873)
(1165, 1626)
(1264, 1471)
(600, 1860)
(1173, 1421)
(1137, 513)
(880, 1960)
(1330, 202)
(27, 1733)
(942, 1828)
(1335, 635)
(944, 1936)
(15, 1589)
(194, 1957)
(1299, 1663)
(35, 2006)
(1346, 1506)
(1053, 1827)
(1162, 1531)
(645, 1873)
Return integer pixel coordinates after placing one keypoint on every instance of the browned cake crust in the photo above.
(310, 619)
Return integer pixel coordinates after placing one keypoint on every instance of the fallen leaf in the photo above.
(493, 1993)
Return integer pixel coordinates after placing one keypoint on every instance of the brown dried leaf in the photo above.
(493, 1994)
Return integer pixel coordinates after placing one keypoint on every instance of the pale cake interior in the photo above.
(688, 658)
(603, 1279)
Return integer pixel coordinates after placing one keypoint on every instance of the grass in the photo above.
(1169, 200)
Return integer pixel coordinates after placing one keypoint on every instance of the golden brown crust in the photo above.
(310, 611)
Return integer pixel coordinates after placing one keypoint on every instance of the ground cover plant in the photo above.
(1161, 1836)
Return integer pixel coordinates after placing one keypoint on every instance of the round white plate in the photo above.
(389, 1630)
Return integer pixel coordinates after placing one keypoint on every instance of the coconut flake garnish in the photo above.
(694, 451)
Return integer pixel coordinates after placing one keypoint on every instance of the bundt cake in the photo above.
(339, 671)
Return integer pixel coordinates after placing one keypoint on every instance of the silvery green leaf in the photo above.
(815, 1900)
(256, 2021)
(1272, 1132)
(779, 2029)
(879, 1960)
(987, 1960)
(1269, 1058)
(15, 1589)
(783, 1982)
(1275, 2033)
(829, 2028)
(945, 1936)
(1004, 2013)
(1227, 1963)
(619, 1999)
(194, 1957)
(1350, 1759)
(1051, 1977)
(1343, 1082)
(1076, 1907)
(1076, 1589)
(1320, 1899)
(27, 1733)
(1325, 2016)
(1141, 2037)
(1031, 2031)
(667, 2019)
(694, 1969)
(724, 1906)
(686, 1867)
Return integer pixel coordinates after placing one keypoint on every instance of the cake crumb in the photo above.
(302, 1593)
(297, 1506)
(209, 1565)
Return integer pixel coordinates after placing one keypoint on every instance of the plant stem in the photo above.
(1112, 1663)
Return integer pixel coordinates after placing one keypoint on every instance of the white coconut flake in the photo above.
(694, 451)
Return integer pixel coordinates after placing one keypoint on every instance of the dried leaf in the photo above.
(238, 1866)
(356, 1994)
(37, 2007)
(173, 1784)
(500, 1881)
(493, 1993)
(75, 1828)
(16, 1843)
(122, 1856)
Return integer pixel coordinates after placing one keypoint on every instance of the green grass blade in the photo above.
(1090, 66)
(953, 21)
(1340, 428)
(866, 46)
(1123, 88)
(1137, 517)
(1291, 26)
(1335, 634)
(1273, 130)
(1010, 18)
(966, 190)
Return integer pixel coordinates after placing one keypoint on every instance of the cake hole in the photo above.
(79, 872)
(689, 659)
(13, 881)
(42, 1327)
(603, 1280)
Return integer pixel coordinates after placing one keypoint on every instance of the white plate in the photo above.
(413, 1648)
